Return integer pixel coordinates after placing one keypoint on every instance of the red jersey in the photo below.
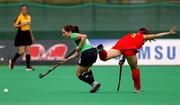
(130, 41)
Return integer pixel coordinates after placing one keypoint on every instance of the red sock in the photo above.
(136, 78)
(103, 55)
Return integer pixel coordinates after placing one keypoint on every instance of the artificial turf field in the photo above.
(161, 86)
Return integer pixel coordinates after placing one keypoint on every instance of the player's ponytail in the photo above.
(76, 29)
(143, 31)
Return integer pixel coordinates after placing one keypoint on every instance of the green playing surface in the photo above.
(161, 86)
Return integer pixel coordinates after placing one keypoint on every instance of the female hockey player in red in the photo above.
(128, 47)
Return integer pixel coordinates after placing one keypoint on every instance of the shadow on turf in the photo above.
(99, 92)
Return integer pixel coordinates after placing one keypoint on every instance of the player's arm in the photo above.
(17, 21)
(31, 33)
(154, 36)
(74, 55)
(82, 38)
(22, 24)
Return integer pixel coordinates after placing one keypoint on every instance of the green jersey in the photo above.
(87, 44)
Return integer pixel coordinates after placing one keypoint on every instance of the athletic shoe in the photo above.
(30, 68)
(138, 91)
(11, 64)
(95, 87)
(99, 48)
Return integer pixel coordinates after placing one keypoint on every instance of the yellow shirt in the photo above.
(22, 19)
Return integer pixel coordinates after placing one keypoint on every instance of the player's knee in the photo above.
(27, 52)
(77, 74)
(103, 55)
(21, 52)
(134, 67)
(105, 58)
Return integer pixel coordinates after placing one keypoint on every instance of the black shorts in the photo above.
(88, 57)
(23, 38)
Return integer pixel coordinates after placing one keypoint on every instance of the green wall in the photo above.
(96, 20)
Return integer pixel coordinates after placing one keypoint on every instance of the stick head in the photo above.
(41, 76)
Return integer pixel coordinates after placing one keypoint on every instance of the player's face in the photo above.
(24, 10)
(66, 34)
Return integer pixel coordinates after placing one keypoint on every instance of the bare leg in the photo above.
(80, 70)
(21, 50)
(112, 53)
(132, 61)
(27, 49)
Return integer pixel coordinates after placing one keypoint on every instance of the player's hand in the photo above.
(152, 40)
(63, 61)
(25, 23)
(121, 62)
(173, 30)
(77, 48)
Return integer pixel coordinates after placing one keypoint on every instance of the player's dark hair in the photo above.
(146, 32)
(23, 6)
(68, 28)
(15, 19)
(143, 31)
(74, 29)
(20, 8)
